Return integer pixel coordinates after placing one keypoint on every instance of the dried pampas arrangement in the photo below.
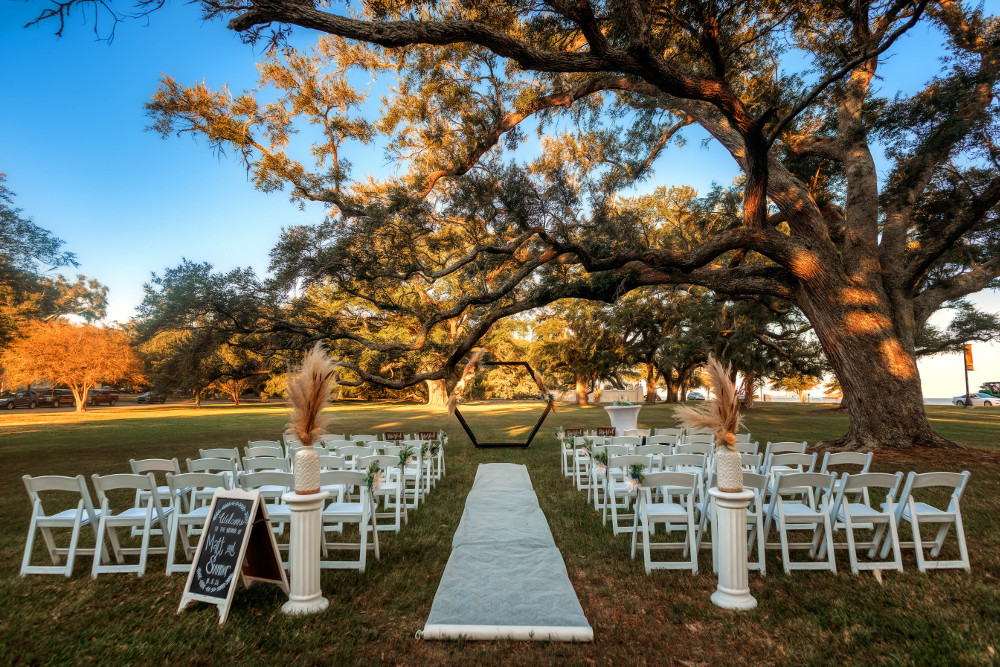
(309, 392)
(722, 413)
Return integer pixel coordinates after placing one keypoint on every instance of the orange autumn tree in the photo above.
(79, 356)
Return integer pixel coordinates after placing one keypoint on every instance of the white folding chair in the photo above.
(256, 448)
(860, 462)
(190, 515)
(649, 513)
(340, 511)
(918, 512)
(620, 493)
(129, 517)
(747, 447)
(630, 441)
(786, 512)
(670, 436)
(331, 462)
(743, 437)
(221, 453)
(698, 439)
(266, 463)
(352, 453)
(598, 474)
(225, 466)
(861, 515)
(784, 447)
(750, 462)
(656, 452)
(390, 492)
(272, 486)
(83, 514)
(143, 466)
(777, 464)
(566, 449)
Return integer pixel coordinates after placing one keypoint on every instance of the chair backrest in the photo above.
(952, 480)
(687, 460)
(221, 453)
(750, 462)
(132, 482)
(742, 437)
(142, 466)
(581, 440)
(333, 445)
(627, 460)
(700, 430)
(745, 447)
(863, 460)
(254, 480)
(212, 465)
(264, 443)
(385, 462)
(363, 437)
(346, 477)
(798, 480)
(193, 482)
(664, 439)
(755, 481)
(675, 480)
(627, 440)
(695, 448)
(699, 439)
(264, 450)
(785, 447)
(290, 439)
(354, 451)
(641, 432)
(332, 437)
(257, 463)
(801, 462)
(867, 480)
(616, 450)
(653, 450)
(44, 483)
(331, 462)
(675, 432)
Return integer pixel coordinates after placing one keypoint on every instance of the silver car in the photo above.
(977, 399)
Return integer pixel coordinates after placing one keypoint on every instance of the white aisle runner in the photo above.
(505, 577)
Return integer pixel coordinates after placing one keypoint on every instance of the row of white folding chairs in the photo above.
(335, 444)
(183, 509)
(823, 502)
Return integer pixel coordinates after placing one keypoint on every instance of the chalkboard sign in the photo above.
(390, 436)
(606, 432)
(237, 538)
(427, 435)
(574, 432)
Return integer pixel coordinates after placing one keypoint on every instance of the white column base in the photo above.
(305, 595)
(729, 549)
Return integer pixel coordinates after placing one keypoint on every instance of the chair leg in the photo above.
(73, 541)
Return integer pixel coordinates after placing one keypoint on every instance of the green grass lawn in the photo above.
(946, 617)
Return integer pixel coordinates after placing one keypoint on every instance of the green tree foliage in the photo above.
(27, 294)
(611, 86)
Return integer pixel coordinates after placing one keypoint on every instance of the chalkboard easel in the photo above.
(237, 537)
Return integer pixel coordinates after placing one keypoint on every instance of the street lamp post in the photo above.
(968, 367)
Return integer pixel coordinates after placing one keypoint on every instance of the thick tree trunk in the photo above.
(581, 390)
(197, 398)
(650, 384)
(437, 392)
(877, 374)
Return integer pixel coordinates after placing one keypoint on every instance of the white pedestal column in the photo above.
(305, 595)
(729, 549)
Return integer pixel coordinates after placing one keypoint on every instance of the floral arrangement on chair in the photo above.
(405, 454)
(601, 461)
(434, 447)
(374, 477)
(722, 416)
(635, 477)
(588, 446)
(424, 448)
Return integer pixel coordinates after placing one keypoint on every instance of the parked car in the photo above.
(695, 396)
(22, 398)
(977, 399)
(55, 397)
(99, 396)
(151, 397)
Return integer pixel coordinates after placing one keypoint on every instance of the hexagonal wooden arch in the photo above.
(538, 424)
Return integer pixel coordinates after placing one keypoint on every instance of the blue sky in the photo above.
(75, 150)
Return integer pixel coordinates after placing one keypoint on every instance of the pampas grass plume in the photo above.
(309, 392)
(722, 413)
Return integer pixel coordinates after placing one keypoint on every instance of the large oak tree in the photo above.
(866, 260)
